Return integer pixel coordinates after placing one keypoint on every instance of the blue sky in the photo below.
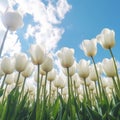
(64, 23)
(86, 19)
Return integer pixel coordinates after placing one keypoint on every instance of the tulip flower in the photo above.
(28, 70)
(89, 47)
(83, 68)
(108, 67)
(47, 64)
(20, 62)
(66, 57)
(37, 53)
(72, 70)
(106, 38)
(52, 75)
(12, 20)
(9, 79)
(7, 65)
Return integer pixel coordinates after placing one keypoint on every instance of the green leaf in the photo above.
(93, 114)
(1, 92)
(116, 110)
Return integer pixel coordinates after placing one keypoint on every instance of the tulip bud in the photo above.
(37, 54)
(66, 57)
(89, 47)
(21, 62)
(51, 75)
(12, 20)
(106, 38)
(7, 65)
(47, 64)
(28, 70)
(109, 67)
(83, 68)
(72, 70)
(9, 79)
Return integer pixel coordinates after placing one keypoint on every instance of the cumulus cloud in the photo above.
(41, 22)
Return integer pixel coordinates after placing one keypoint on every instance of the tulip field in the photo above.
(84, 90)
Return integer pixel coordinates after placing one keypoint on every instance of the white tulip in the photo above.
(51, 75)
(47, 64)
(8, 65)
(37, 53)
(106, 38)
(108, 67)
(28, 70)
(92, 86)
(12, 20)
(9, 79)
(72, 70)
(89, 47)
(66, 56)
(21, 62)
(83, 68)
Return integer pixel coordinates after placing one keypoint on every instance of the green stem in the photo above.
(86, 90)
(17, 80)
(44, 100)
(3, 81)
(116, 87)
(3, 42)
(4, 94)
(22, 91)
(49, 93)
(118, 80)
(96, 88)
(41, 82)
(38, 93)
(99, 86)
(69, 94)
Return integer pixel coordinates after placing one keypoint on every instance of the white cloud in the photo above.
(42, 26)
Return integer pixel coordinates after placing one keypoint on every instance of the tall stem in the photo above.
(3, 81)
(17, 80)
(118, 80)
(22, 91)
(97, 78)
(49, 93)
(86, 89)
(4, 94)
(38, 93)
(68, 84)
(3, 41)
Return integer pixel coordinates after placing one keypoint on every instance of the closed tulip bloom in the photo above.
(83, 68)
(37, 53)
(12, 20)
(106, 38)
(21, 62)
(66, 56)
(89, 47)
(9, 79)
(72, 70)
(47, 64)
(7, 65)
(92, 86)
(28, 70)
(108, 67)
(51, 75)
